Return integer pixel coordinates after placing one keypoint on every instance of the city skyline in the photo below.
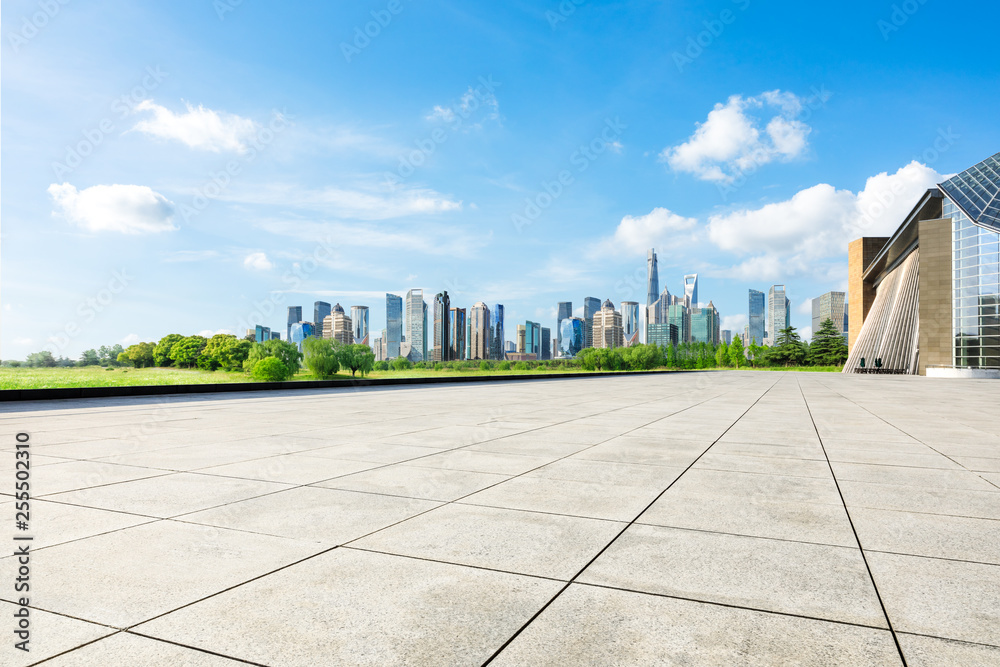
(431, 158)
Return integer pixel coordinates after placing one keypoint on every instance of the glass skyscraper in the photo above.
(565, 311)
(630, 322)
(320, 311)
(779, 314)
(691, 289)
(359, 320)
(976, 310)
(416, 323)
(679, 315)
(393, 325)
(533, 339)
(458, 331)
(652, 278)
(830, 306)
(546, 343)
(756, 317)
(442, 328)
(498, 347)
(591, 307)
(299, 332)
(571, 339)
(294, 315)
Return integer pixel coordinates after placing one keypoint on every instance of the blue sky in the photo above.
(183, 167)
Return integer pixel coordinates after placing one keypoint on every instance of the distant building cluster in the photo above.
(441, 331)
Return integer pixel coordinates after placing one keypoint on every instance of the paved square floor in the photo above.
(711, 518)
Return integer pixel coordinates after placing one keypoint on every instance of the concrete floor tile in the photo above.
(557, 496)
(374, 452)
(954, 502)
(543, 545)
(55, 523)
(131, 575)
(416, 482)
(941, 598)
(74, 475)
(51, 634)
(362, 608)
(291, 468)
(128, 649)
(770, 575)
(934, 652)
(912, 477)
(588, 626)
(473, 461)
(605, 472)
(765, 465)
(931, 535)
(168, 495)
(326, 516)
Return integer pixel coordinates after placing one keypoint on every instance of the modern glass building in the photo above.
(298, 332)
(830, 306)
(691, 289)
(705, 325)
(652, 278)
(393, 325)
(479, 332)
(533, 338)
(416, 319)
(756, 326)
(925, 300)
(662, 334)
(779, 315)
(359, 320)
(442, 328)
(571, 337)
(565, 311)
(630, 322)
(320, 310)
(457, 335)
(497, 341)
(679, 315)
(294, 315)
(591, 306)
(261, 333)
(546, 343)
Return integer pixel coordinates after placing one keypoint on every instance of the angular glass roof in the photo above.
(977, 192)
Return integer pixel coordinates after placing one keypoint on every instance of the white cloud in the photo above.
(800, 234)
(806, 333)
(731, 142)
(473, 107)
(441, 113)
(615, 146)
(734, 323)
(208, 333)
(130, 339)
(129, 209)
(257, 261)
(806, 307)
(636, 234)
(23, 341)
(199, 128)
(368, 202)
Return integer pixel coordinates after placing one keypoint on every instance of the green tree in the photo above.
(503, 365)
(382, 365)
(185, 352)
(828, 347)
(42, 359)
(90, 358)
(285, 352)
(161, 353)
(722, 356)
(736, 357)
(224, 351)
(401, 364)
(270, 369)
(788, 349)
(357, 358)
(321, 357)
(139, 355)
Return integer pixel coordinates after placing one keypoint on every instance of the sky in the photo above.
(199, 166)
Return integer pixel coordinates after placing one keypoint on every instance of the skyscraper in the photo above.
(522, 339)
(393, 325)
(756, 326)
(691, 289)
(338, 326)
(607, 327)
(533, 339)
(546, 343)
(652, 278)
(294, 316)
(497, 340)
(705, 325)
(565, 310)
(359, 318)
(830, 306)
(679, 315)
(571, 338)
(415, 324)
(442, 328)
(458, 332)
(299, 332)
(630, 322)
(320, 310)
(479, 332)
(590, 307)
(779, 314)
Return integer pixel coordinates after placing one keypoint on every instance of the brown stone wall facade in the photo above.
(860, 294)
(935, 294)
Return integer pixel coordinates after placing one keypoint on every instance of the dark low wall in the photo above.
(160, 390)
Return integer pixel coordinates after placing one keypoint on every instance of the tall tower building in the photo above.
(497, 341)
(338, 326)
(779, 314)
(479, 332)
(630, 322)
(393, 325)
(652, 278)
(522, 339)
(359, 318)
(830, 306)
(691, 289)
(591, 307)
(533, 339)
(705, 325)
(442, 328)
(320, 310)
(457, 333)
(415, 319)
(565, 311)
(571, 338)
(756, 326)
(546, 349)
(294, 317)
(607, 327)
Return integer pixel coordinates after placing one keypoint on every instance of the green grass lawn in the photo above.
(95, 376)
